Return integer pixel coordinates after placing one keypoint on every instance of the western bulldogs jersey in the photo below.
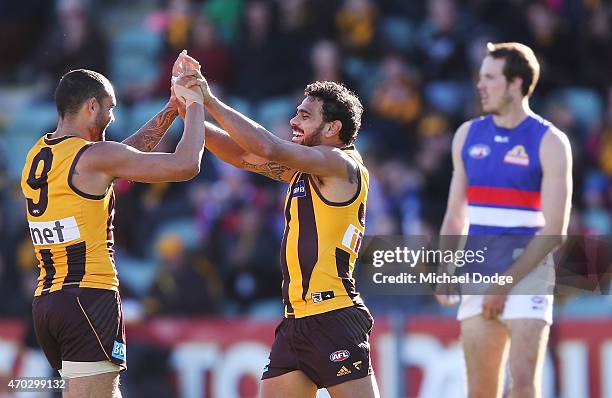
(504, 178)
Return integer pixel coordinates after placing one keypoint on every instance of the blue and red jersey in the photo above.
(504, 176)
(504, 179)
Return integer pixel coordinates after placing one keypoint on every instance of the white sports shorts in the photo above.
(520, 304)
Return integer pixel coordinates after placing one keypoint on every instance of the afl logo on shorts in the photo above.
(479, 151)
(538, 302)
(339, 356)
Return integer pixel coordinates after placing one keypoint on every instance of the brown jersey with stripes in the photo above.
(72, 231)
(320, 246)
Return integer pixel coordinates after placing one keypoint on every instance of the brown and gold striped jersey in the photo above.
(72, 231)
(320, 246)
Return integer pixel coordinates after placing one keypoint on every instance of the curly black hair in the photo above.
(339, 103)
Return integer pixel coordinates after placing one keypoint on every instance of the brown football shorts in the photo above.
(80, 325)
(330, 348)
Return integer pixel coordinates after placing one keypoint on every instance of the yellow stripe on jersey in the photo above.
(71, 231)
(320, 246)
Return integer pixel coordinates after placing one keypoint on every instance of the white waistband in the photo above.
(81, 369)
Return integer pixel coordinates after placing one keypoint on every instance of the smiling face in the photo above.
(307, 124)
(494, 89)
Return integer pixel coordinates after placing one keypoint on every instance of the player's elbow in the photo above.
(453, 224)
(554, 228)
(187, 170)
(555, 234)
(192, 170)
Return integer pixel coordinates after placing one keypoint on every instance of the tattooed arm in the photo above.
(149, 135)
(221, 144)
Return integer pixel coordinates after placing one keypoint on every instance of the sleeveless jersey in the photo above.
(72, 231)
(320, 246)
(504, 178)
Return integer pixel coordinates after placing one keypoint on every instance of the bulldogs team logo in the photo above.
(339, 356)
(517, 156)
(479, 151)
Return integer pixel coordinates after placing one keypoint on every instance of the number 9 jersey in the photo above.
(72, 231)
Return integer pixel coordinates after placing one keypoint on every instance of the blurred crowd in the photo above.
(211, 245)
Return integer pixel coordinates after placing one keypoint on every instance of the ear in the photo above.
(517, 84)
(334, 128)
(92, 105)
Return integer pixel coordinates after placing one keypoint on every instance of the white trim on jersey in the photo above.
(508, 218)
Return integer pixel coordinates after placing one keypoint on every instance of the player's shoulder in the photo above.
(35, 147)
(555, 148)
(333, 151)
(464, 128)
(554, 137)
(461, 134)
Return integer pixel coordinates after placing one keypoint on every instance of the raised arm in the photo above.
(109, 160)
(150, 134)
(223, 146)
(283, 157)
(255, 139)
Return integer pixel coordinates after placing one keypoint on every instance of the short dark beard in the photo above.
(506, 99)
(100, 126)
(315, 138)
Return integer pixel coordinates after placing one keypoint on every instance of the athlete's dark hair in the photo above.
(339, 103)
(76, 87)
(520, 62)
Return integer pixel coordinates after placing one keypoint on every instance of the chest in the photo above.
(503, 160)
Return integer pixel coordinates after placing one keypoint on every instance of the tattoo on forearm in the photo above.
(269, 169)
(352, 171)
(149, 135)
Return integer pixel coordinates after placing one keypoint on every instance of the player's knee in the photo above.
(484, 388)
(522, 377)
(523, 384)
(523, 391)
(480, 393)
